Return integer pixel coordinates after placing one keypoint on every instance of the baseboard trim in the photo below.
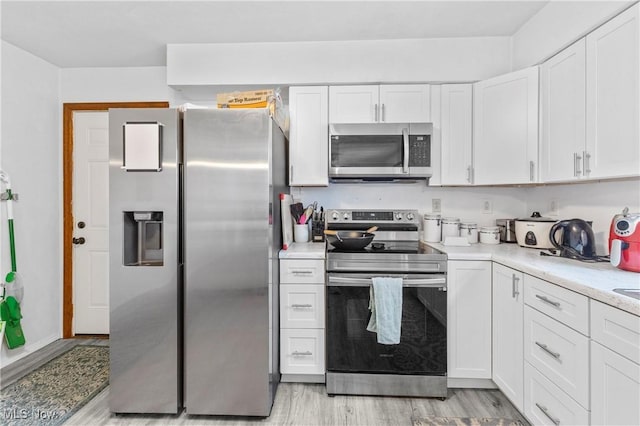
(9, 356)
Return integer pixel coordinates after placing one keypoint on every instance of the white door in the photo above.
(457, 134)
(613, 97)
(91, 222)
(508, 356)
(405, 103)
(354, 104)
(505, 128)
(562, 98)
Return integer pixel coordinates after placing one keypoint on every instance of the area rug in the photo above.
(464, 421)
(50, 394)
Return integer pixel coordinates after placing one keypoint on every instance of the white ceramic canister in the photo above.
(450, 227)
(431, 228)
(490, 235)
(469, 230)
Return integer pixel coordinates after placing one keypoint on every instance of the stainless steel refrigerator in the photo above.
(206, 344)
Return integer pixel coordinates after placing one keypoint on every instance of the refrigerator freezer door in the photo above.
(227, 239)
(144, 272)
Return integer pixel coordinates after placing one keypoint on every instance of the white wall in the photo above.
(30, 150)
(598, 201)
(115, 84)
(557, 25)
(338, 62)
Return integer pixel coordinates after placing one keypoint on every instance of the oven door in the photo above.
(423, 342)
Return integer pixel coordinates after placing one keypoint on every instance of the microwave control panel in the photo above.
(419, 150)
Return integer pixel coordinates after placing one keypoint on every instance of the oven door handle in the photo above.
(406, 282)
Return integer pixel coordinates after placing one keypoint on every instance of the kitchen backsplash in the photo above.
(596, 201)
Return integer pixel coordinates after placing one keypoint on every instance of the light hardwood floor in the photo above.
(295, 404)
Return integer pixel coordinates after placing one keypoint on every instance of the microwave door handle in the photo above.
(405, 157)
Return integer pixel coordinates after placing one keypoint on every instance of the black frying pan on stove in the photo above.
(350, 240)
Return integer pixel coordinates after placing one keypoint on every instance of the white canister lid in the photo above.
(467, 225)
(450, 220)
(431, 216)
(490, 229)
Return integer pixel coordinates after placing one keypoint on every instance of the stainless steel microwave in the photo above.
(372, 157)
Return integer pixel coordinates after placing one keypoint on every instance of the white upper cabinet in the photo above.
(405, 103)
(309, 136)
(613, 97)
(457, 133)
(562, 99)
(393, 103)
(505, 138)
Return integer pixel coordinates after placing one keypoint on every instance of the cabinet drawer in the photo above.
(301, 271)
(558, 352)
(301, 351)
(564, 305)
(302, 306)
(546, 404)
(615, 329)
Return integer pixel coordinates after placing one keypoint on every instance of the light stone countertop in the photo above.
(304, 251)
(595, 280)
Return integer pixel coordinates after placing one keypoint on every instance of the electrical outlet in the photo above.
(554, 207)
(436, 207)
(487, 206)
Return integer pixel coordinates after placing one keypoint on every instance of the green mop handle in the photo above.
(11, 276)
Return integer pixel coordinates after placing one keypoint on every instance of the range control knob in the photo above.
(409, 216)
(345, 216)
(335, 215)
(398, 216)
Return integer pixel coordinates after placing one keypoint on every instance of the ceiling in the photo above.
(135, 33)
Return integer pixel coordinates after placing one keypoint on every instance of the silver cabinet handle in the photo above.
(302, 306)
(382, 112)
(375, 108)
(405, 157)
(469, 174)
(587, 168)
(546, 300)
(576, 164)
(546, 413)
(531, 171)
(514, 286)
(300, 272)
(545, 348)
(305, 353)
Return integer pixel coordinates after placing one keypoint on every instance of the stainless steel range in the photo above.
(356, 362)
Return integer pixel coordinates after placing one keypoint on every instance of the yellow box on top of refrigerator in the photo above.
(250, 99)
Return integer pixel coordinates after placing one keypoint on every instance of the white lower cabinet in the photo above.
(469, 319)
(547, 404)
(302, 320)
(615, 371)
(507, 326)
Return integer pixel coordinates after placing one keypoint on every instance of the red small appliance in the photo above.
(624, 241)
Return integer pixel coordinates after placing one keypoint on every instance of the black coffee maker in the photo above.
(576, 241)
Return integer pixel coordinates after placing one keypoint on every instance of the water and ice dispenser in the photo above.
(143, 242)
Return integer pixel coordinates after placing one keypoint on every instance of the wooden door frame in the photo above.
(67, 189)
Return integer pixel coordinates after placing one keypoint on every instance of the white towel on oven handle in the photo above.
(385, 304)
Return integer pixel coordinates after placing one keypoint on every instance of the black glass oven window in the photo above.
(353, 349)
(366, 151)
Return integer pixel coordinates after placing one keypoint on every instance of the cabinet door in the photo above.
(308, 136)
(457, 134)
(613, 96)
(505, 139)
(507, 326)
(469, 319)
(562, 99)
(404, 103)
(354, 104)
(615, 388)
